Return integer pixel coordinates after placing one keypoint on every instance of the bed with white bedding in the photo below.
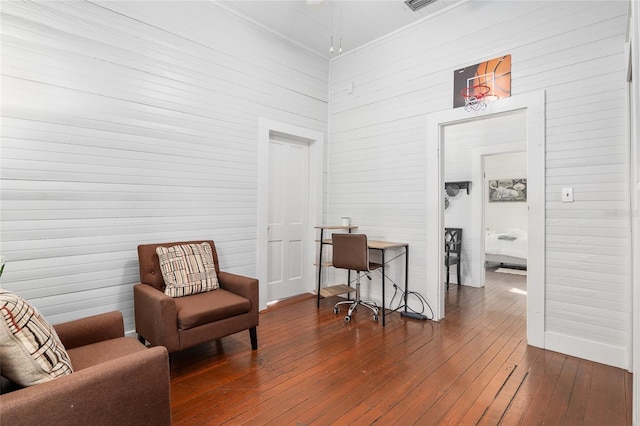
(508, 248)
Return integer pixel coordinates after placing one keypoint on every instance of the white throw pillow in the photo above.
(30, 350)
(187, 269)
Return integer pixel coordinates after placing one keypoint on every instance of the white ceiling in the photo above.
(355, 22)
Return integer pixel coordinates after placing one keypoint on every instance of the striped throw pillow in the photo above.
(187, 269)
(30, 350)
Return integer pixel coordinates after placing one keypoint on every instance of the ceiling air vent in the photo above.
(417, 4)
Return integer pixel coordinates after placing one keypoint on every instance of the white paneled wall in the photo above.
(380, 98)
(135, 122)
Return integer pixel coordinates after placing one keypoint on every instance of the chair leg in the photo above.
(373, 306)
(353, 304)
(336, 309)
(459, 275)
(447, 277)
(253, 333)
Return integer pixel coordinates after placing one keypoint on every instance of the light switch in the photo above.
(567, 195)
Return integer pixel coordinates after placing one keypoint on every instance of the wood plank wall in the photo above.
(381, 96)
(127, 123)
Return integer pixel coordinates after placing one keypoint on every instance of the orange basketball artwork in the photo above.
(490, 80)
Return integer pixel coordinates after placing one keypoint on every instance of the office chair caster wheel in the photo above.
(347, 319)
(375, 317)
(336, 310)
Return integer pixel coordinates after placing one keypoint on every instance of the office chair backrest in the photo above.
(350, 251)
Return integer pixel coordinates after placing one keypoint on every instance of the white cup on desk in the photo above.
(346, 221)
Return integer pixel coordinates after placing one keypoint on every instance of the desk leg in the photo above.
(406, 277)
(320, 266)
(383, 299)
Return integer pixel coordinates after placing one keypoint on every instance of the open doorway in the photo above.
(505, 222)
(488, 149)
(532, 106)
(505, 213)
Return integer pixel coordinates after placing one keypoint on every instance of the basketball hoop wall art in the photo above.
(476, 85)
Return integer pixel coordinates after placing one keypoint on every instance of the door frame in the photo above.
(266, 128)
(534, 104)
(633, 78)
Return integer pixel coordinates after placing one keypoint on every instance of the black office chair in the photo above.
(452, 250)
(351, 251)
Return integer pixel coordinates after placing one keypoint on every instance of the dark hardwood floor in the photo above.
(474, 367)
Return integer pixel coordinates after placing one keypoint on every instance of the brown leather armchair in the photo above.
(116, 381)
(183, 322)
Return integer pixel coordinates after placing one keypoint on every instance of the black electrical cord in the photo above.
(401, 303)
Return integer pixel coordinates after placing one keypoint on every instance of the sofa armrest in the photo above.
(134, 389)
(243, 286)
(156, 317)
(92, 329)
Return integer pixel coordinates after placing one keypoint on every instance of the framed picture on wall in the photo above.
(507, 190)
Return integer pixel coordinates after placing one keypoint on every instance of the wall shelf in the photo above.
(462, 184)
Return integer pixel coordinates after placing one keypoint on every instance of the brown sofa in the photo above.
(183, 322)
(116, 381)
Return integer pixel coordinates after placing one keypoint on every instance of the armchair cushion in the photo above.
(187, 269)
(30, 350)
(213, 306)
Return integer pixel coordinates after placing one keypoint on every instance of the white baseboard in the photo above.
(615, 356)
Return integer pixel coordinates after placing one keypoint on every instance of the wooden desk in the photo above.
(382, 247)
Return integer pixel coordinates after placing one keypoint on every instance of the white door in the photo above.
(288, 213)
